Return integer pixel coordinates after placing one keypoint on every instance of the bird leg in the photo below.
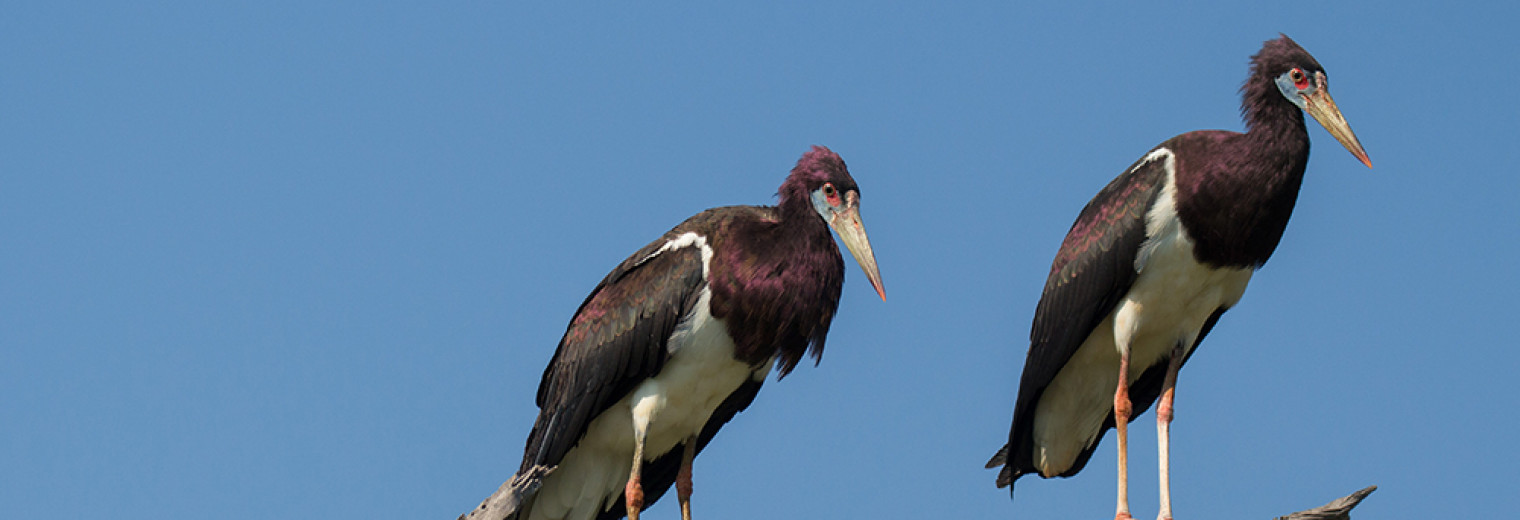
(1121, 423)
(1164, 430)
(683, 478)
(633, 493)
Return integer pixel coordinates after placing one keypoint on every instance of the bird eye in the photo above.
(831, 193)
(1300, 80)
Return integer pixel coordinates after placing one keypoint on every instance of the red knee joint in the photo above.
(1122, 406)
(683, 483)
(635, 495)
(1164, 408)
(1121, 400)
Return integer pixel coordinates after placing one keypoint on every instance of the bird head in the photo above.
(1301, 79)
(836, 198)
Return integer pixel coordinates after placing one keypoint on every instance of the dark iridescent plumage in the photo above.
(1091, 273)
(773, 282)
(1234, 193)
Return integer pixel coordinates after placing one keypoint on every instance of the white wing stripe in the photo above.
(687, 239)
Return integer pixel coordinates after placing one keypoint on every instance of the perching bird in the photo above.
(679, 337)
(1152, 262)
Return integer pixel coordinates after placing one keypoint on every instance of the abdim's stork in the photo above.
(679, 337)
(1150, 265)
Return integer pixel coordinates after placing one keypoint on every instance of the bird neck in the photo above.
(776, 281)
(1239, 202)
(796, 203)
(799, 230)
(1274, 125)
(799, 219)
(1276, 150)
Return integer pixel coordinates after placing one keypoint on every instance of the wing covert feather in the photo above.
(1093, 270)
(616, 340)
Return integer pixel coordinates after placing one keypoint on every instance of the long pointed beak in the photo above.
(853, 234)
(1323, 108)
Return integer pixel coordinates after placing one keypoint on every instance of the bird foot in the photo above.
(1123, 516)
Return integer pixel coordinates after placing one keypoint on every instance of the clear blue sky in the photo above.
(278, 260)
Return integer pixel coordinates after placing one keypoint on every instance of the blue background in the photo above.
(285, 260)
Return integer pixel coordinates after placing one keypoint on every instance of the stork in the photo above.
(1151, 264)
(679, 337)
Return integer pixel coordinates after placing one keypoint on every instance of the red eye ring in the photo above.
(831, 193)
(1300, 80)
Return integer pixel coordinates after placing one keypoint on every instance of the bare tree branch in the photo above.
(505, 502)
(1338, 509)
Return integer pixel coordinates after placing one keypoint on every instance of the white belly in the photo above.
(699, 374)
(1171, 299)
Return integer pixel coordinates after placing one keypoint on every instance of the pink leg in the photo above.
(1164, 431)
(683, 478)
(1121, 422)
(633, 493)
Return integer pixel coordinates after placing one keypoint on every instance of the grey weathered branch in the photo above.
(1338, 509)
(505, 502)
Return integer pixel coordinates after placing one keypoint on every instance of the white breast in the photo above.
(674, 405)
(1168, 304)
